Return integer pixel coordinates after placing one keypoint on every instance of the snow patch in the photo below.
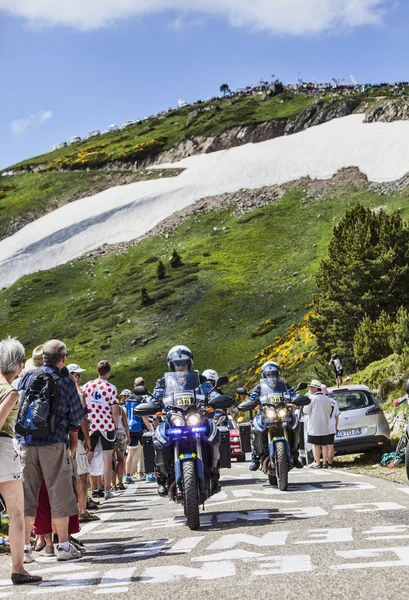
(119, 214)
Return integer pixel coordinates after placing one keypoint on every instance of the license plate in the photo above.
(347, 432)
(185, 401)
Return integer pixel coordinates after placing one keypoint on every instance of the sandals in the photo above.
(92, 505)
(20, 579)
(87, 516)
(120, 486)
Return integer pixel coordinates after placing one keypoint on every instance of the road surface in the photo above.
(332, 535)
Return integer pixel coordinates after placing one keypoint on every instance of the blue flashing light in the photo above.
(174, 431)
(198, 429)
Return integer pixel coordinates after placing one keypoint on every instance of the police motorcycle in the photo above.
(276, 417)
(187, 431)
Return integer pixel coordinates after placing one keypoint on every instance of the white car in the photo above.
(362, 425)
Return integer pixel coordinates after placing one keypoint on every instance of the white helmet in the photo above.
(211, 375)
(270, 369)
(179, 353)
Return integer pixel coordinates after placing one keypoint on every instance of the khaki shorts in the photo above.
(53, 464)
(10, 466)
(82, 459)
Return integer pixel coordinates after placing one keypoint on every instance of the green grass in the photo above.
(231, 282)
(214, 117)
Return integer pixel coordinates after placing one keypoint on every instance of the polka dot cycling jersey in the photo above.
(100, 395)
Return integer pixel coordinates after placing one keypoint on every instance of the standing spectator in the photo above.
(333, 425)
(103, 413)
(47, 457)
(136, 427)
(84, 446)
(122, 439)
(319, 412)
(338, 368)
(11, 487)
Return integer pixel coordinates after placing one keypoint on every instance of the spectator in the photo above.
(333, 425)
(319, 412)
(103, 412)
(122, 439)
(338, 369)
(11, 487)
(48, 457)
(136, 427)
(81, 458)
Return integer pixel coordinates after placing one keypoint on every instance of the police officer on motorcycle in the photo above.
(271, 382)
(180, 364)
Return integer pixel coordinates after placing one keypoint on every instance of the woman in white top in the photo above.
(338, 368)
(333, 425)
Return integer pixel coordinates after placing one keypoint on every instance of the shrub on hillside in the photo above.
(399, 340)
(365, 274)
(160, 270)
(372, 339)
(175, 260)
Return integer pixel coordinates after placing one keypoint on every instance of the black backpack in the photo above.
(38, 412)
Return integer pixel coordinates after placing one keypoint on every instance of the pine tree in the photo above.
(160, 270)
(366, 273)
(146, 300)
(372, 339)
(175, 260)
(399, 339)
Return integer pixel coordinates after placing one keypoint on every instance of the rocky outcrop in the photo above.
(388, 110)
(317, 114)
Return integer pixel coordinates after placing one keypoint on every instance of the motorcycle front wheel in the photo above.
(191, 498)
(281, 466)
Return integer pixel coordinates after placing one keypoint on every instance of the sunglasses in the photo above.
(77, 375)
(180, 363)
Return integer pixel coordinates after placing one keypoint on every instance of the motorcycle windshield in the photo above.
(180, 388)
(270, 396)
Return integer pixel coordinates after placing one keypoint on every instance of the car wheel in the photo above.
(241, 458)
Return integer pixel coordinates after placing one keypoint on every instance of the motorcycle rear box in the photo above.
(245, 431)
(225, 454)
(148, 452)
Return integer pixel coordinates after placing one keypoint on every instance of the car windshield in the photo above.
(231, 424)
(352, 399)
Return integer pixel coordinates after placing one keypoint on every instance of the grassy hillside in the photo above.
(238, 273)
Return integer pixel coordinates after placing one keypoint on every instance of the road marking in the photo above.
(94, 524)
(232, 555)
(66, 583)
(275, 538)
(210, 570)
(405, 490)
(114, 580)
(329, 536)
(401, 552)
(185, 545)
(277, 565)
(380, 532)
(360, 508)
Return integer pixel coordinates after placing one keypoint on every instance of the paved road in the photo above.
(333, 534)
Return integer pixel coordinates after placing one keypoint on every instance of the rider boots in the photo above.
(162, 489)
(255, 461)
(296, 461)
(216, 487)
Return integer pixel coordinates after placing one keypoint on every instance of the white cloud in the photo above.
(34, 120)
(297, 17)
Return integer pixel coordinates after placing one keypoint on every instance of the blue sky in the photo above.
(65, 73)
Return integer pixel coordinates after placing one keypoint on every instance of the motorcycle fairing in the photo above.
(258, 423)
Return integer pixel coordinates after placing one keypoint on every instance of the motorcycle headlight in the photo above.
(193, 420)
(270, 413)
(177, 421)
(283, 413)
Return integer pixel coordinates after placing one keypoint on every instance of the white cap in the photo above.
(73, 368)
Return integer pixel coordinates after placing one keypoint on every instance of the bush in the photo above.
(146, 300)
(399, 340)
(175, 260)
(371, 339)
(160, 270)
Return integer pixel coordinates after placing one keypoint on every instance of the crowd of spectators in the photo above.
(49, 480)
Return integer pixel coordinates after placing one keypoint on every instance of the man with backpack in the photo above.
(47, 430)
